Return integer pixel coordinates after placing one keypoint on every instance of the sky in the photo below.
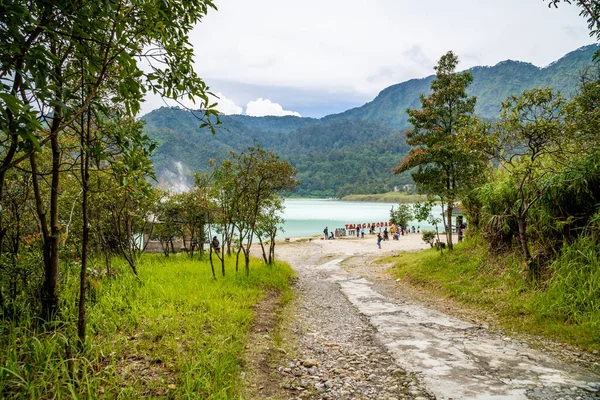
(312, 58)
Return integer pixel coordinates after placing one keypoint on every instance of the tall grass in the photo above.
(566, 309)
(573, 292)
(174, 332)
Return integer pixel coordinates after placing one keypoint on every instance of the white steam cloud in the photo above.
(177, 181)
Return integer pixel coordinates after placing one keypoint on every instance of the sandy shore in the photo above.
(350, 245)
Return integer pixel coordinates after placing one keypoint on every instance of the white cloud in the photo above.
(226, 106)
(261, 107)
(337, 45)
(359, 48)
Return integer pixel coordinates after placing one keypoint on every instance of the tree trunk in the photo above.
(247, 260)
(85, 177)
(262, 247)
(272, 247)
(523, 239)
(222, 259)
(212, 266)
(81, 322)
(449, 230)
(49, 238)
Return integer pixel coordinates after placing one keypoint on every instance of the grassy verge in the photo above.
(175, 332)
(497, 287)
(390, 197)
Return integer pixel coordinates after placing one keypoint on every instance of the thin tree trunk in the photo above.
(523, 238)
(272, 248)
(262, 246)
(212, 266)
(85, 163)
(449, 230)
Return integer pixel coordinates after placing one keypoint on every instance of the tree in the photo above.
(51, 52)
(445, 168)
(262, 177)
(267, 227)
(402, 215)
(422, 212)
(528, 141)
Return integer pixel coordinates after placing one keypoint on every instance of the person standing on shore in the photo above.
(326, 232)
(362, 233)
(379, 240)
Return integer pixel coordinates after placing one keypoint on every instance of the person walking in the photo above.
(379, 240)
(362, 233)
(216, 245)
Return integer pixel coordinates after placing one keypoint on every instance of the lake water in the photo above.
(308, 217)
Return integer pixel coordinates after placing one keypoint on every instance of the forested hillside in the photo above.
(351, 152)
(491, 86)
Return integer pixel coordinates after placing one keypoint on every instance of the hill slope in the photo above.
(350, 152)
(491, 86)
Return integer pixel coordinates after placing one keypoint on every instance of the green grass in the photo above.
(174, 333)
(565, 310)
(390, 197)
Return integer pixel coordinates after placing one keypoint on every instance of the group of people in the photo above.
(328, 235)
(395, 232)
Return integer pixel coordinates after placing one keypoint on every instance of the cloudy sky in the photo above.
(318, 57)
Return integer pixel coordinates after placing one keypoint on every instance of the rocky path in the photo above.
(358, 337)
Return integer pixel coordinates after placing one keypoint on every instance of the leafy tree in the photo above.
(529, 141)
(269, 223)
(444, 167)
(402, 215)
(51, 52)
(422, 212)
(262, 177)
(168, 224)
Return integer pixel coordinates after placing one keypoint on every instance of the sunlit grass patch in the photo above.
(173, 332)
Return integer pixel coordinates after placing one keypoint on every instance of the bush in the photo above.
(429, 237)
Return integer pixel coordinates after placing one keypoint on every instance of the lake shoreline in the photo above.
(390, 197)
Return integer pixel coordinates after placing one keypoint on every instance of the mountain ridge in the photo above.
(352, 151)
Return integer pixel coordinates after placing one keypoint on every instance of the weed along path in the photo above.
(358, 336)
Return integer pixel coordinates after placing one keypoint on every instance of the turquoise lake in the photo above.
(308, 217)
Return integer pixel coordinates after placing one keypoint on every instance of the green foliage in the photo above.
(391, 197)
(175, 332)
(428, 237)
(401, 215)
(445, 166)
(333, 158)
(573, 291)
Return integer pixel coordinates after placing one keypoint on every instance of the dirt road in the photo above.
(359, 337)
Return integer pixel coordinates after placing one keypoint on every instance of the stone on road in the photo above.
(452, 359)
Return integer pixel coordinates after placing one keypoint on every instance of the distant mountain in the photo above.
(350, 152)
(491, 86)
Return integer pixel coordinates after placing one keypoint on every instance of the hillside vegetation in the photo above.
(529, 185)
(351, 152)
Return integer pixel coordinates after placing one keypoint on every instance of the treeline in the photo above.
(333, 158)
(74, 163)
